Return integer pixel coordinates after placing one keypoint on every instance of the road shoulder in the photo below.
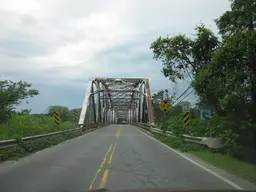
(234, 181)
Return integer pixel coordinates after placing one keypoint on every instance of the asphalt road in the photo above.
(115, 157)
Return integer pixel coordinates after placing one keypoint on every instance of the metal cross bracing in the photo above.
(112, 100)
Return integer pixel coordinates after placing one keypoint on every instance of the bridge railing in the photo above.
(214, 143)
(12, 142)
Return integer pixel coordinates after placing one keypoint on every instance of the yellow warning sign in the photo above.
(75, 115)
(165, 105)
(56, 118)
(186, 119)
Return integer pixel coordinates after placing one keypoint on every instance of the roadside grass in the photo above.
(232, 165)
(19, 126)
(229, 164)
(29, 147)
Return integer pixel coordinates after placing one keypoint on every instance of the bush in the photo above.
(19, 126)
(24, 148)
(220, 127)
(179, 143)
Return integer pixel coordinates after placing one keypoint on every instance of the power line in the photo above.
(182, 94)
(188, 74)
(186, 95)
(191, 97)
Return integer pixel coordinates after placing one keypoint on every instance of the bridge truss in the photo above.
(112, 100)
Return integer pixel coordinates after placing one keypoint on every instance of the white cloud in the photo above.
(62, 43)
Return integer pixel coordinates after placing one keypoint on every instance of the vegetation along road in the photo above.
(221, 70)
(114, 157)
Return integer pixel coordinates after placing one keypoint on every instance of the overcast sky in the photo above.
(58, 44)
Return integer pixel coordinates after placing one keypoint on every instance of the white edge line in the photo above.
(195, 163)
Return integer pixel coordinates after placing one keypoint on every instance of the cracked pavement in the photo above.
(138, 162)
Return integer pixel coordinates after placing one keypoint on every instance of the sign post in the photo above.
(165, 106)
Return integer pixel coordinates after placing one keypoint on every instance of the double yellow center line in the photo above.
(111, 151)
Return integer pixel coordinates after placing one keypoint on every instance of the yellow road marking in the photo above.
(101, 166)
(114, 148)
(112, 154)
(105, 174)
(104, 179)
(118, 131)
(105, 157)
(95, 177)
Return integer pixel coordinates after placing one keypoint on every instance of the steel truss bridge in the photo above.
(112, 100)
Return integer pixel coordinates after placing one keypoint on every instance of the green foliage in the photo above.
(71, 114)
(62, 110)
(19, 126)
(175, 124)
(240, 18)
(198, 128)
(162, 95)
(11, 94)
(178, 143)
(25, 112)
(230, 164)
(224, 75)
(229, 82)
(29, 147)
(15, 125)
(230, 146)
(180, 54)
(156, 100)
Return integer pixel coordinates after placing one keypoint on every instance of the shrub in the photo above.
(24, 148)
(19, 126)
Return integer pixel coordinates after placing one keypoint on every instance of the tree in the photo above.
(157, 98)
(181, 54)
(224, 72)
(229, 82)
(25, 111)
(11, 94)
(62, 111)
(241, 18)
(161, 95)
(238, 26)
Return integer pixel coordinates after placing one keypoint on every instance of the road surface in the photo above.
(115, 157)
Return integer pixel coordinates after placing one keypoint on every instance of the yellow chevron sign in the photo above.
(56, 118)
(186, 119)
(75, 115)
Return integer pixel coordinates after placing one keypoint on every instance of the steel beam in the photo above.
(117, 79)
(122, 98)
(93, 106)
(141, 103)
(144, 107)
(149, 104)
(99, 108)
(117, 97)
(120, 90)
(85, 105)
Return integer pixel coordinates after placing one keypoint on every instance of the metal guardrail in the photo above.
(214, 143)
(12, 142)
